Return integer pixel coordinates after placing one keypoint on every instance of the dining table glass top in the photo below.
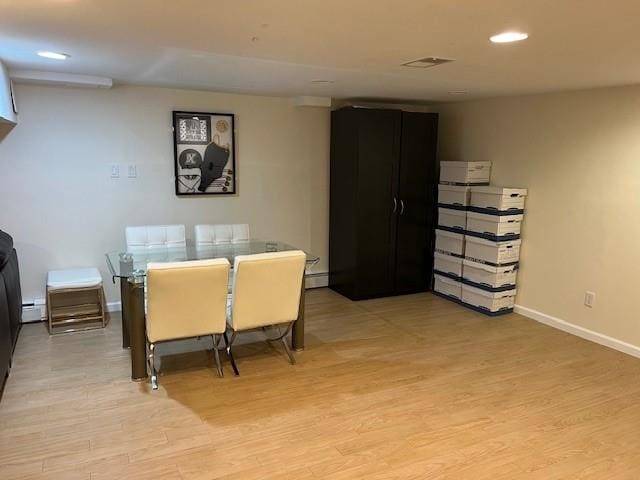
(133, 263)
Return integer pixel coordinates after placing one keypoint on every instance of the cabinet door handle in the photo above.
(401, 206)
(395, 204)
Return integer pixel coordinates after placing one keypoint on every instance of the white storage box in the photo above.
(488, 277)
(447, 286)
(465, 173)
(493, 253)
(454, 196)
(449, 242)
(452, 219)
(498, 199)
(491, 302)
(494, 227)
(447, 265)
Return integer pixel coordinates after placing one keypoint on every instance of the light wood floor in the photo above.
(409, 387)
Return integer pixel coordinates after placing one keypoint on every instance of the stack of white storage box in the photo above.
(478, 238)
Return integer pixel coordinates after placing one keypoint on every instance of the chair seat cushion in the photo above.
(74, 278)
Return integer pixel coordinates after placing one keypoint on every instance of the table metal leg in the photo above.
(137, 333)
(124, 302)
(297, 333)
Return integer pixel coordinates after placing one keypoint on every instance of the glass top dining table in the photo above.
(133, 262)
(130, 267)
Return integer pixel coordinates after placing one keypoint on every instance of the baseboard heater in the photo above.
(316, 280)
(35, 311)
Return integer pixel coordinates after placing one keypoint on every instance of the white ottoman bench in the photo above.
(75, 300)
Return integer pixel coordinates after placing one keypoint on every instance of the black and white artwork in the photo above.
(204, 150)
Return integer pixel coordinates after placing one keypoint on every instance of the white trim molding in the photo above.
(62, 79)
(114, 306)
(578, 331)
(316, 280)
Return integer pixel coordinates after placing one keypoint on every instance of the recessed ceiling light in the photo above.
(508, 37)
(54, 55)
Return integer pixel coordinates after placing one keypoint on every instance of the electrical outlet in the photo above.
(589, 298)
(115, 170)
(132, 170)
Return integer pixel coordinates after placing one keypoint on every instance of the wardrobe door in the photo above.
(417, 197)
(342, 204)
(378, 156)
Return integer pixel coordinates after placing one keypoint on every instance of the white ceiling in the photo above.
(359, 44)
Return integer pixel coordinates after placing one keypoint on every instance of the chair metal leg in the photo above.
(282, 337)
(152, 368)
(49, 316)
(292, 359)
(229, 353)
(103, 308)
(216, 354)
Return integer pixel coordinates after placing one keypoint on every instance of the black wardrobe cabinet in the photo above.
(384, 178)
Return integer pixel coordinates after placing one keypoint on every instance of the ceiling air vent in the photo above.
(426, 62)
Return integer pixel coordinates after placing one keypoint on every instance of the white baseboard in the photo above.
(34, 310)
(31, 314)
(114, 306)
(578, 331)
(316, 280)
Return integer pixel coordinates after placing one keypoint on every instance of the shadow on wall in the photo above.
(451, 127)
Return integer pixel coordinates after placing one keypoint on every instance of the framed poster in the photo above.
(204, 153)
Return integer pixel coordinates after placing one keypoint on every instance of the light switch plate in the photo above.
(589, 299)
(132, 170)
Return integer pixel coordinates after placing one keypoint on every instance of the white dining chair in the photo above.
(155, 236)
(209, 235)
(186, 300)
(266, 294)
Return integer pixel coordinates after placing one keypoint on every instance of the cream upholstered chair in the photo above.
(208, 235)
(185, 300)
(160, 243)
(266, 293)
(155, 236)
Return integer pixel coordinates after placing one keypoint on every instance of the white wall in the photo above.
(578, 153)
(63, 209)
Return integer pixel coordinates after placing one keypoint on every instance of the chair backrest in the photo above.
(155, 236)
(186, 299)
(266, 289)
(207, 235)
